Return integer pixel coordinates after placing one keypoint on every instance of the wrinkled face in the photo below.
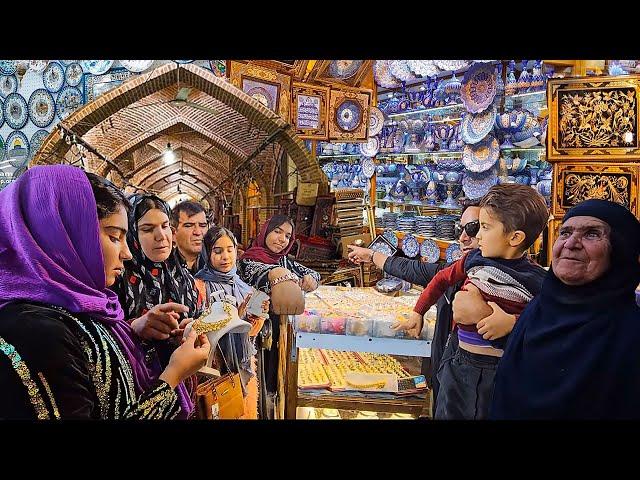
(279, 238)
(190, 232)
(223, 255)
(582, 252)
(466, 242)
(113, 241)
(493, 241)
(154, 234)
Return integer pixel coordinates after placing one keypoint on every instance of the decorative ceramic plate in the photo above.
(136, 66)
(430, 250)
(97, 67)
(37, 139)
(183, 61)
(349, 115)
(344, 69)
(8, 67)
(453, 252)
(73, 74)
(69, 99)
(383, 75)
(451, 64)
(423, 68)
(8, 85)
(1, 113)
(391, 237)
(16, 111)
(17, 148)
(477, 185)
(376, 121)
(53, 77)
(475, 126)
(478, 87)
(68, 62)
(38, 65)
(42, 108)
(400, 70)
(481, 156)
(410, 245)
(371, 147)
(368, 167)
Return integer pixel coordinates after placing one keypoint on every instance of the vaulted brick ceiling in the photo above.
(132, 125)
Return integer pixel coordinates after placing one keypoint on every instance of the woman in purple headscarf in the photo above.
(65, 349)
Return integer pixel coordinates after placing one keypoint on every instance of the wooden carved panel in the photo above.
(593, 118)
(342, 121)
(575, 182)
(269, 87)
(309, 107)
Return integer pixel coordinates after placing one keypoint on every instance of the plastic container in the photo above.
(334, 324)
(360, 326)
(382, 327)
(309, 321)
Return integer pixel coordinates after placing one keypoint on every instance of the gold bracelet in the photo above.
(289, 276)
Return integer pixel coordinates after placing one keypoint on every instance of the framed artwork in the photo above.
(576, 182)
(341, 72)
(349, 114)
(96, 85)
(309, 111)
(593, 118)
(271, 88)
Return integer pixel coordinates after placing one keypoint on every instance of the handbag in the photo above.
(220, 397)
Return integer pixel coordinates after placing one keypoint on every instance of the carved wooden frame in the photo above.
(238, 72)
(557, 87)
(360, 95)
(322, 132)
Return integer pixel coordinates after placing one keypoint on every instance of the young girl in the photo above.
(220, 274)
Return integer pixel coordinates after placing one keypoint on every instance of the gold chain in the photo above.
(201, 327)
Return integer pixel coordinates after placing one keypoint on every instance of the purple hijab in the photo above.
(50, 253)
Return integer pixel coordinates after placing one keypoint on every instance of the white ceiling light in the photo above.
(169, 155)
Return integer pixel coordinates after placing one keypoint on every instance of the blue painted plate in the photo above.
(389, 235)
(349, 115)
(8, 85)
(17, 148)
(410, 246)
(453, 252)
(37, 139)
(53, 77)
(430, 251)
(8, 67)
(97, 67)
(69, 100)
(73, 74)
(42, 108)
(16, 111)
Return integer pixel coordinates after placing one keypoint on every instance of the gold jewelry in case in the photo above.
(377, 385)
(201, 327)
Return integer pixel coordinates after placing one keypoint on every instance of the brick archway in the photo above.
(123, 121)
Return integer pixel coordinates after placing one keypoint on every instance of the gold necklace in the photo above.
(201, 327)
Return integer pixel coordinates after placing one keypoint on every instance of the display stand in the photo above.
(290, 397)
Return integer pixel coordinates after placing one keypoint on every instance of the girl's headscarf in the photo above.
(259, 251)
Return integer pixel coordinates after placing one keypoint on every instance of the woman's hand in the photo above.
(187, 359)
(308, 283)
(413, 325)
(287, 298)
(469, 307)
(159, 322)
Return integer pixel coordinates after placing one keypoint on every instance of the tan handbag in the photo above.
(220, 397)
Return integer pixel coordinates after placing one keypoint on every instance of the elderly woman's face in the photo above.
(582, 251)
(279, 238)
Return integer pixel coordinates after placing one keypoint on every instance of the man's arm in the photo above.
(412, 271)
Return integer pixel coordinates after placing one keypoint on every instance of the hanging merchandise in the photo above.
(17, 148)
(8, 85)
(481, 156)
(475, 127)
(69, 99)
(8, 67)
(136, 66)
(478, 87)
(16, 111)
(97, 67)
(37, 139)
(73, 74)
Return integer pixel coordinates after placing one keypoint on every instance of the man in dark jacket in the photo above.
(421, 273)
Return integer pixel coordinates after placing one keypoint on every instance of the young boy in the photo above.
(512, 216)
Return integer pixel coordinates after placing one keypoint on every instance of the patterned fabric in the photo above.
(256, 274)
(497, 283)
